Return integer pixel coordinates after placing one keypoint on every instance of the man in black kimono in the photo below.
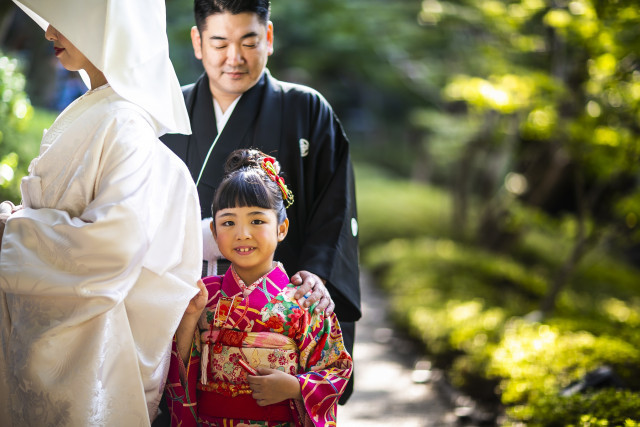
(293, 123)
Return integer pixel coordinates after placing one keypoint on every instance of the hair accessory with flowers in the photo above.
(269, 166)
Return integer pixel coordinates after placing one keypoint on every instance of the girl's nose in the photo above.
(243, 233)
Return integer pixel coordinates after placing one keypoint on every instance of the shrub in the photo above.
(606, 407)
(475, 310)
(389, 208)
(15, 114)
(536, 361)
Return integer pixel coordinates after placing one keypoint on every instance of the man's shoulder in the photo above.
(296, 90)
(187, 92)
(186, 89)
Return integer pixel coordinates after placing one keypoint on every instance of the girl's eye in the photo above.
(257, 221)
(227, 224)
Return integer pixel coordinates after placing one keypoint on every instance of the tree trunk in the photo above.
(492, 233)
(559, 161)
(462, 182)
(419, 143)
(583, 243)
(561, 278)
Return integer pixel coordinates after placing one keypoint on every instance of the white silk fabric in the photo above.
(127, 41)
(96, 270)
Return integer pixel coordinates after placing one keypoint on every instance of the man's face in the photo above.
(234, 51)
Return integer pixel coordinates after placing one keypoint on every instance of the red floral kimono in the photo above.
(263, 326)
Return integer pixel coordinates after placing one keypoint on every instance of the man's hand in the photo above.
(313, 288)
(273, 386)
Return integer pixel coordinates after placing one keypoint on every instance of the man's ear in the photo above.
(196, 42)
(283, 229)
(269, 38)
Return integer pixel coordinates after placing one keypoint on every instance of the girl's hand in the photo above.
(189, 322)
(273, 386)
(198, 302)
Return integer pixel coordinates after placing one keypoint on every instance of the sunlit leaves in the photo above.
(603, 66)
(430, 13)
(14, 104)
(506, 93)
(557, 18)
(589, 99)
(8, 164)
(540, 123)
(15, 112)
(537, 359)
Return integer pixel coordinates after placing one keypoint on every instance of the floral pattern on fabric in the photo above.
(267, 328)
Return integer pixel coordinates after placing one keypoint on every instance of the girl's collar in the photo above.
(240, 282)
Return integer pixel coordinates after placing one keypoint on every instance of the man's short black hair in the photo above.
(205, 8)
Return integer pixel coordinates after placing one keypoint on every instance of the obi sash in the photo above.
(223, 390)
(221, 350)
(241, 407)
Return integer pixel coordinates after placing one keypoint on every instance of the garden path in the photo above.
(385, 391)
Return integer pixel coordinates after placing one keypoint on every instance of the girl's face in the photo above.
(70, 57)
(248, 237)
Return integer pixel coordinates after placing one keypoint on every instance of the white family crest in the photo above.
(304, 147)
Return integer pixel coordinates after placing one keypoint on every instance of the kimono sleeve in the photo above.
(181, 385)
(327, 368)
(330, 243)
(97, 254)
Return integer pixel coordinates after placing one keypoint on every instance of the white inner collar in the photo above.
(222, 118)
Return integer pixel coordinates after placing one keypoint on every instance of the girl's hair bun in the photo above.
(240, 159)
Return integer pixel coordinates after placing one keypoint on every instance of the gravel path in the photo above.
(385, 391)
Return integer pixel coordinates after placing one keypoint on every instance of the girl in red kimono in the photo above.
(246, 351)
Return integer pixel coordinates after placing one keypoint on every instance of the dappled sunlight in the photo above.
(621, 311)
(506, 93)
(6, 173)
(16, 148)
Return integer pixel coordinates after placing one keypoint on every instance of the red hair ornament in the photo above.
(269, 166)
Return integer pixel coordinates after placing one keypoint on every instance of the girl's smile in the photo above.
(243, 250)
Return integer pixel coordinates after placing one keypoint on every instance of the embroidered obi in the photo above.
(222, 349)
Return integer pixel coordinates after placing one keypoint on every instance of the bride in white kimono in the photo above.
(99, 263)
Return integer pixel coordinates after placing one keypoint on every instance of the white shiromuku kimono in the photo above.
(96, 270)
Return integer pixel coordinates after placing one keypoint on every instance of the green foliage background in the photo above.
(16, 149)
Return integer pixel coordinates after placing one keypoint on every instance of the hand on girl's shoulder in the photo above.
(289, 294)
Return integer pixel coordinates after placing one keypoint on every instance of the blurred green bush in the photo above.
(21, 128)
(476, 310)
